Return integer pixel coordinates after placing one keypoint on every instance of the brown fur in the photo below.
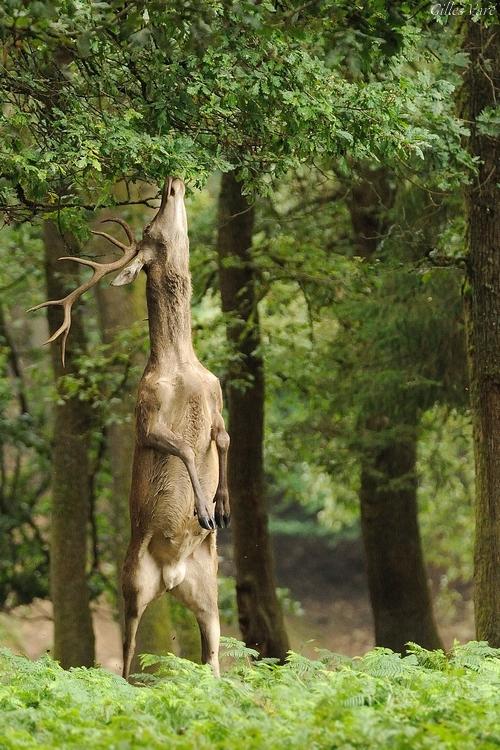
(180, 458)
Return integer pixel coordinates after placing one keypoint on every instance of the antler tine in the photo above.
(64, 328)
(84, 261)
(98, 271)
(44, 304)
(126, 227)
(116, 242)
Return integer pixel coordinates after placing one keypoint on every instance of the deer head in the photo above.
(165, 238)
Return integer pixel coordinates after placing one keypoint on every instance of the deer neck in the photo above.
(168, 293)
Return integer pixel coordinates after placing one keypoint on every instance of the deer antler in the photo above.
(99, 271)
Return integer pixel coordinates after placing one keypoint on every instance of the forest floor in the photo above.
(328, 581)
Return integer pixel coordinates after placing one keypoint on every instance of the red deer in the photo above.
(179, 487)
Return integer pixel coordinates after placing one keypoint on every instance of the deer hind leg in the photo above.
(198, 592)
(142, 583)
(132, 619)
(221, 499)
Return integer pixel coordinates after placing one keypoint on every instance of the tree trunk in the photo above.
(117, 312)
(482, 305)
(186, 632)
(397, 579)
(260, 615)
(73, 633)
(154, 635)
(399, 592)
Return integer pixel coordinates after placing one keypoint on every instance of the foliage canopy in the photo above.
(95, 93)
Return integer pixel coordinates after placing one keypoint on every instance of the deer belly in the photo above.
(164, 495)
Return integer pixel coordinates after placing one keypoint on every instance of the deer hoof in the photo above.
(222, 519)
(206, 522)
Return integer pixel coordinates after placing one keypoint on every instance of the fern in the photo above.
(424, 701)
(332, 659)
(474, 655)
(429, 659)
(236, 649)
(382, 662)
(301, 665)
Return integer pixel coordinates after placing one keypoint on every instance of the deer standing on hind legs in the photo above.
(179, 486)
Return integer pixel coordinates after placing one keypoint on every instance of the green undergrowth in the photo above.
(424, 700)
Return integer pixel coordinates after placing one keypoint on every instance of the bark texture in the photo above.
(260, 615)
(399, 592)
(482, 305)
(73, 632)
(397, 578)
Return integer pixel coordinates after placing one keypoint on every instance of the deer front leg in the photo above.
(163, 440)
(221, 499)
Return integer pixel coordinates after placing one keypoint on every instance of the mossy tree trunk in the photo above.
(260, 615)
(154, 635)
(482, 304)
(73, 632)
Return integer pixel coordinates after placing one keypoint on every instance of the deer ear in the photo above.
(131, 272)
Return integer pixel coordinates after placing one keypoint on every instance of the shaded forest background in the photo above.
(336, 158)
